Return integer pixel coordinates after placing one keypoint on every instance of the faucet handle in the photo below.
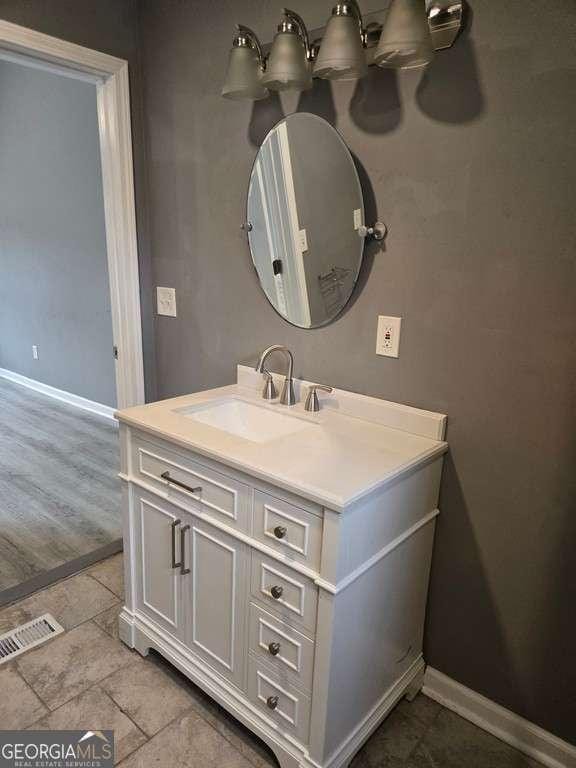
(269, 391)
(312, 403)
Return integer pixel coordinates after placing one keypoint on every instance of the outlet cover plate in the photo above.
(166, 301)
(388, 336)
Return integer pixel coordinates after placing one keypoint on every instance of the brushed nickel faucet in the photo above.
(287, 396)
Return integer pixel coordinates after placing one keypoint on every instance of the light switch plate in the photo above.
(166, 301)
(388, 336)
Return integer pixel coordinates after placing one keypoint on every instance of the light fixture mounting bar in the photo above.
(446, 20)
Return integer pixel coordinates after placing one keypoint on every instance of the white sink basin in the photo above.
(247, 420)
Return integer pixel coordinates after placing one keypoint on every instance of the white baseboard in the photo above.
(505, 725)
(59, 394)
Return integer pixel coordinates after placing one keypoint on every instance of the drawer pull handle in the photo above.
(183, 569)
(272, 702)
(166, 476)
(276, 592)
(174, 525)
(280, 531)
(274, 648)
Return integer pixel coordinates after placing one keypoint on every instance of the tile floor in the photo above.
(86, 678)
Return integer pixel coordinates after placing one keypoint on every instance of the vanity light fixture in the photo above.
(245, 67)
(404, 36)
(406, 40)
(288, 66)
(342, 54)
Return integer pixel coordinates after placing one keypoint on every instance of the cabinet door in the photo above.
(216, 597)
(157, 548)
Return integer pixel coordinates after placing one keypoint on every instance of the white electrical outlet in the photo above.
(34, 352)
(388, 336)
(166, 301)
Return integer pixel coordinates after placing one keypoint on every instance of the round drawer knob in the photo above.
(272, 702)
(280, 531)
(274, 648)
(276, 592)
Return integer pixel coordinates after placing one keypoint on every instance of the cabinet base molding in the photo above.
(139, 633)
(500, 722)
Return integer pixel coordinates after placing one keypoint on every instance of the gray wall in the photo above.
(110, 26)
(473, 170)
(54, 289)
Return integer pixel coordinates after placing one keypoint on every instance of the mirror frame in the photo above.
(363, 208)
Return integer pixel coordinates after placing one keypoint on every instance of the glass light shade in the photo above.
(287, 67)
(341, 55)
(405, 42)
(244, 76)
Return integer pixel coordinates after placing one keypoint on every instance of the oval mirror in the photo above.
(304, 210)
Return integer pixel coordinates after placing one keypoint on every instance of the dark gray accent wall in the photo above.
(473, 168)
(110, 26)
(54, 289)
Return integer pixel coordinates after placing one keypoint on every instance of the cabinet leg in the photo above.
(415, 687)
(126, 630)
(285, 760)
(133, 638)
(141, 644)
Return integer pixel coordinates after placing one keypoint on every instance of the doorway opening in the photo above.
(70, 328)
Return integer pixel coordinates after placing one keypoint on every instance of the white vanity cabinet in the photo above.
(304, 620)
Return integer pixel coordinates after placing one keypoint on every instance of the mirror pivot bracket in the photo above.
(377, 232)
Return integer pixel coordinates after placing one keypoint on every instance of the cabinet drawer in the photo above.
(286, 593)
(191, 483)
(283, 648)
(293, 531)
(280, 702)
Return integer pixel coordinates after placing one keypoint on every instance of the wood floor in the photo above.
(59, 491)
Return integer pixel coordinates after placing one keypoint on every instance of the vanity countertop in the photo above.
(351, 447)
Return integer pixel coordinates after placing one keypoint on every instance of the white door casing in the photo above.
(110, 76)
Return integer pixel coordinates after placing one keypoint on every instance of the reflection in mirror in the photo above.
(304, 211)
